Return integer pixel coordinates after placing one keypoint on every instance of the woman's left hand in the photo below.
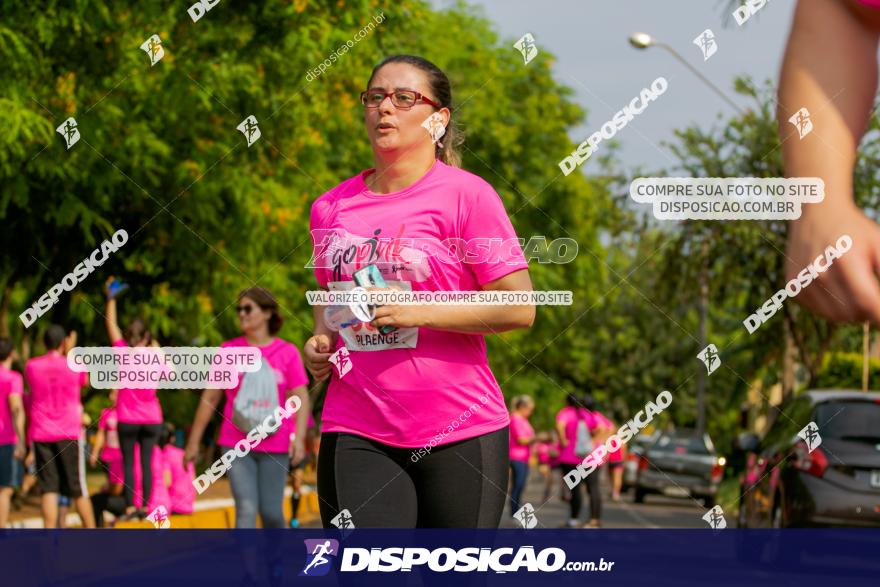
(400, 316)
(297, 451)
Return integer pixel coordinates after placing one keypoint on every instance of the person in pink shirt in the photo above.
(55, 427)
(522, 436)
(577, 429)
(258, 478)
(12, 437)
(159, 495)
(138, 413)
(181, 492)
(415, 433)
(545, 451)
(107, 448)
(614, 458)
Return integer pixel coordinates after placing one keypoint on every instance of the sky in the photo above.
(589, 39)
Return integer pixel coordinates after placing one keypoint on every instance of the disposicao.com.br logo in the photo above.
(441, 560)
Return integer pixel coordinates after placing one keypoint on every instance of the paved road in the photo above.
(657, 512)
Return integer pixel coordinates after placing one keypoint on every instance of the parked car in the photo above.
(635, 449)
(837, 483)
(680, 464)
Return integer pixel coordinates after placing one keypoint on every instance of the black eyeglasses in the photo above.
(246, 309)
(402, 99)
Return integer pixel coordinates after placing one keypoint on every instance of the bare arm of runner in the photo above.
(466, 319)
(830, 68)
(302, 423)
(207, 406)
(96, 449)
(560, 430)
(16, 408)
(319, 347)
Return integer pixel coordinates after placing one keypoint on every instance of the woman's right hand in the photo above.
(190, 454)
(317, 351)
(848, 291)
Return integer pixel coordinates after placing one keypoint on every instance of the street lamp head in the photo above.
(641, 40)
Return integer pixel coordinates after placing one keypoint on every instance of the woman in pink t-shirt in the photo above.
(522, 436)
(258, 478)
(615, 458)
(181, 492)
(107, 446)
(138, 413)
(567, 422)
(415, 427)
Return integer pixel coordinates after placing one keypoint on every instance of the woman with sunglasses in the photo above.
(415, 434)
(259, 477)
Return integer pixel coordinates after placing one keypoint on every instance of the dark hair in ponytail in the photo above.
(442, 93)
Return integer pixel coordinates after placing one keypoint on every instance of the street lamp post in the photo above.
(644, 40)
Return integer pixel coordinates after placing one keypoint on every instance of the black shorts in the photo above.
(10, 467)
(61, 467)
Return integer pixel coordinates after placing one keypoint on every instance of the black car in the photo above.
(836, 484)
(682, 463)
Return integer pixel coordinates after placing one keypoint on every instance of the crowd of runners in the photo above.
(410, 371)
(580, 426)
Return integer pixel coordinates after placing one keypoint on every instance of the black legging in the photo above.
(458, 485)
(146, 435)
(591, 484)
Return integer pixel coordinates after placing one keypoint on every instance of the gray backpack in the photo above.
(584, 444)
(257, 398)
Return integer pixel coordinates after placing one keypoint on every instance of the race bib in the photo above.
(365, 337)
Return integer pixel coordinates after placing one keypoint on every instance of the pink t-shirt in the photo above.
(614, 456)
(570, 416)
(11, 383)
(554, 447)
(520, 429)
(56, 407)
(290, 373)
(160, 495)
(137, 406)
(107, 422)
(543, 451)
(406, 387)
(181, 490)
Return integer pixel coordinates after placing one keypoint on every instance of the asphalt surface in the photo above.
(657, 511)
